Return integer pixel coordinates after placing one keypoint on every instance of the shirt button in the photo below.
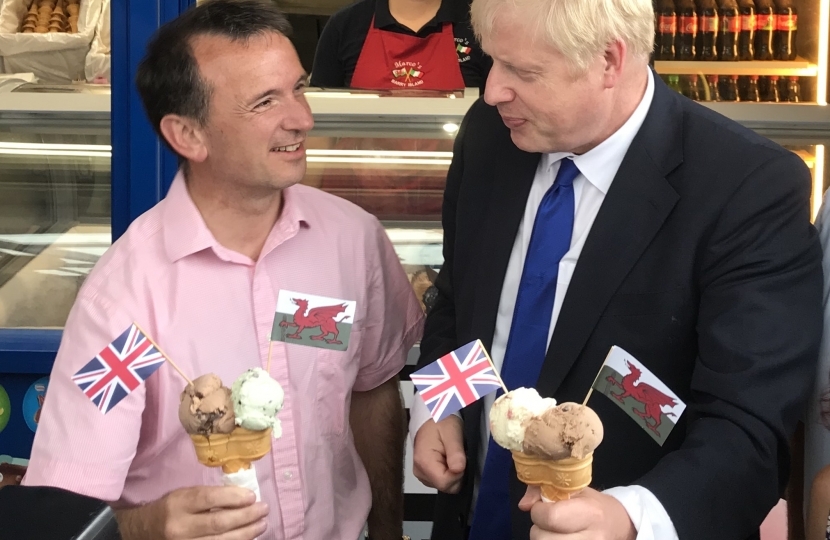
(288, 475)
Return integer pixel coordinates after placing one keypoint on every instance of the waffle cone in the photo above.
(234, 451)
(559, 479)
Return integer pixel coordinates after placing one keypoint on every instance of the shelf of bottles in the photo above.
(744, 50)
(737, 88)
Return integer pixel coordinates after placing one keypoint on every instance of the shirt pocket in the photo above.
(336, 373)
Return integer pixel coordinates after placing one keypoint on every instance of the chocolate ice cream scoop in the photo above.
(206, 407)
(568, 430)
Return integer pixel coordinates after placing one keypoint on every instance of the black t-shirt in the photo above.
(342, 40)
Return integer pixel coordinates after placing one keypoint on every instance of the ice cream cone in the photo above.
(559, 479)
(234, 451)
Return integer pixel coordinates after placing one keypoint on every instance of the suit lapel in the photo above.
(511, 181)
(638, 202)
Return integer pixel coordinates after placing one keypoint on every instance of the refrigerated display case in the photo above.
(389, 155)
(55, 215)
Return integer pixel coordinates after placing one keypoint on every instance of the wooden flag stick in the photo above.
(172, 363)
(492, 365)
(591, 390)
(268, 366)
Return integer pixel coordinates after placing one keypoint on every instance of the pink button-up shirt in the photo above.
(211, 310)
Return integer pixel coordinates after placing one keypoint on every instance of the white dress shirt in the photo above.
(597, 170)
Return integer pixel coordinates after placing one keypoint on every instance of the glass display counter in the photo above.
(54, 204)
(388, 155)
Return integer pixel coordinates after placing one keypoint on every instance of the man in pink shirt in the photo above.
(201, 273)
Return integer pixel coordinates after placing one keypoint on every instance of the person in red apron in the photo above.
(427, 63)
(364, 46)
(432, 47)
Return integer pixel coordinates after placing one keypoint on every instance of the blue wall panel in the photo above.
(142, 168)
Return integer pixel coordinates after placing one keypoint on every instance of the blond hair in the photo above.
(578, 29)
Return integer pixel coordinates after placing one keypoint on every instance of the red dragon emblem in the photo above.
(322, 317)
(652, 398)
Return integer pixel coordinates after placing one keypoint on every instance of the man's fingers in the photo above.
(439, 460)
(224, 521)
(532, 496)
(432, 470)
(428, 455)
(204, 498)
(452, 437)
(453, 484)
(565, 517)
(538, 534)
(250, 532)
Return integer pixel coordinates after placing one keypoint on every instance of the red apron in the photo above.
(396, 61)
(390, 60)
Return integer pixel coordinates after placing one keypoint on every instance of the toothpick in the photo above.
(172, 363)
(492, 365)
(270, 344)
(591, 390)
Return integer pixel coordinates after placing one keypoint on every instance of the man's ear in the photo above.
(615, 60)
(185, 136)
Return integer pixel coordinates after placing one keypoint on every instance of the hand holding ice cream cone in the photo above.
(588, 514)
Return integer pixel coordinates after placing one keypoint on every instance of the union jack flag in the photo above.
(456, 380)
(119, 369)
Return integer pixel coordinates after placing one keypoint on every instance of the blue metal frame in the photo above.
(142, 169)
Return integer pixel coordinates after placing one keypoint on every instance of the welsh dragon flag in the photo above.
(312, 320)
(638, 392)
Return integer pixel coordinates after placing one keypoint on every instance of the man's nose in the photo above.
(496, 91)
(299, 118)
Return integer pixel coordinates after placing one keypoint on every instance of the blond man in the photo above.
(589, 206)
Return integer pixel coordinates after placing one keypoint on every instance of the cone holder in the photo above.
(558, 479)
(233, 451)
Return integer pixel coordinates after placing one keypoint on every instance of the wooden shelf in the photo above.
(798, 67)
(808, 158)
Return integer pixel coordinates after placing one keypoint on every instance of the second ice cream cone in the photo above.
(234, 451)
(558, 479)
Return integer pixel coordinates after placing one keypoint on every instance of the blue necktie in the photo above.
(528, 340)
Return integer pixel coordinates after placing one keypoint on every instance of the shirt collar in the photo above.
(600, 164)
(186, 233)
(184, 229)
(451, 11)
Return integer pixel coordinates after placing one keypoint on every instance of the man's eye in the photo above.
(521, 73)
(263, 104)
